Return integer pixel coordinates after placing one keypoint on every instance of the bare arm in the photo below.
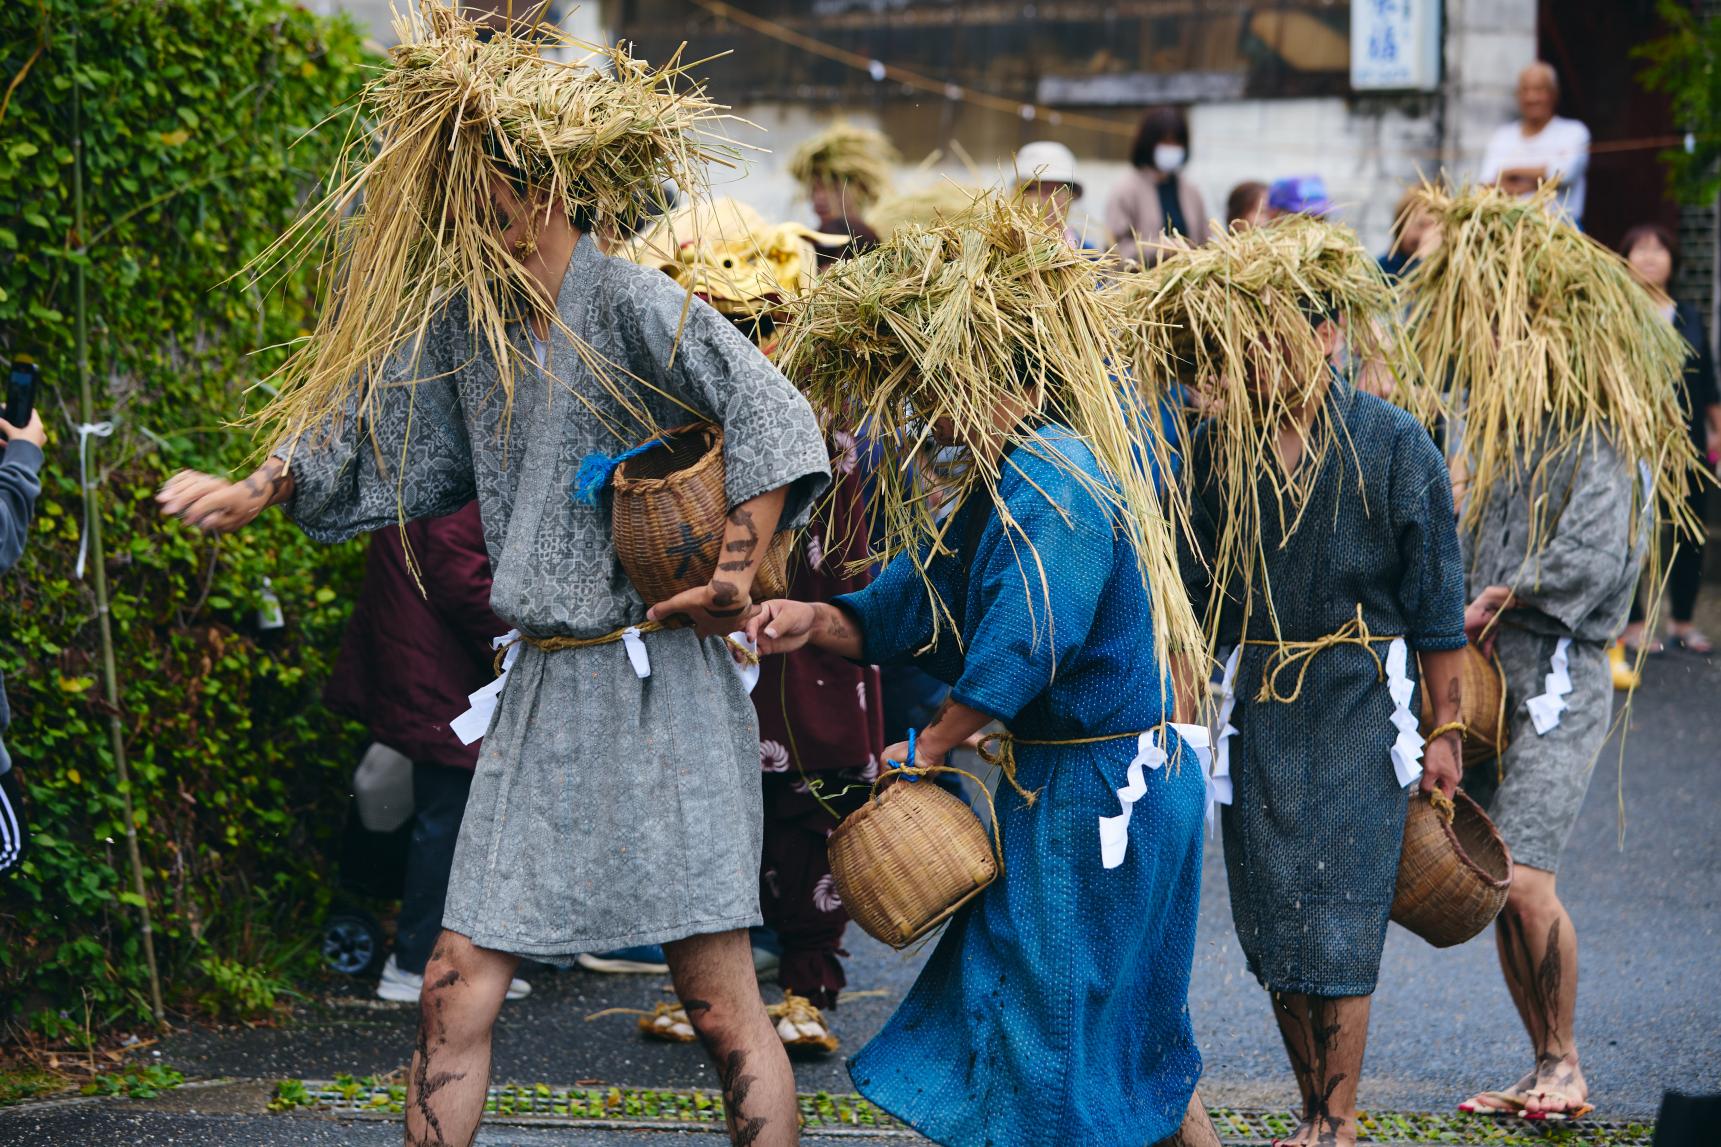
(1442, 764)
(721, 606)
(783, 626)
(215, 504)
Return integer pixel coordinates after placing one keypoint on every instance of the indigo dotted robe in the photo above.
(1316, 820)
(607, 810)
(1054, 1008)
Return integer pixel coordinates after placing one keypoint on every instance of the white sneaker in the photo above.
(404, 987)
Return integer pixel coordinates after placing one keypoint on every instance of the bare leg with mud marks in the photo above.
(718, 988)
(1538, 950)
(1325, 1038)
(464, 986)
(1197, 1129)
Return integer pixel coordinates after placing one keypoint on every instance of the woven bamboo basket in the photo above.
(668, 517)
(1482, 708)
(1454, 871)
(905, 861)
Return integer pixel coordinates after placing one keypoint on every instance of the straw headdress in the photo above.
(411, 221)
(1240, 316)
(846, 153)
(926, 206)
(956, 320)
(1547, 339)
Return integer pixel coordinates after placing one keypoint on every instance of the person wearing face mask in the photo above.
(1153, 200)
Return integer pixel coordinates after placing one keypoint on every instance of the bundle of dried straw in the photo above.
(411, 219)
(959, 320)
(923, 207)
(848, 154)
(1546, 338)
(1240, 317)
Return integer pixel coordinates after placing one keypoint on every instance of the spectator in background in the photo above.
(1653, 252)
(1298, 195)
(1246, 206)
(1046, 173)
(1540, 146)
(1153, 199)
(408, 661)
(20, 467)
(1414, 235)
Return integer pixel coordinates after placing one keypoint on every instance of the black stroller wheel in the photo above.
(353, 943)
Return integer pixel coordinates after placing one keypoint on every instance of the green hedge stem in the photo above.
(92, 514)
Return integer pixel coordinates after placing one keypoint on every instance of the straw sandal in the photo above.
(801, 1025)
(1493, 1104)
(667, 1022)
(1571, 1114)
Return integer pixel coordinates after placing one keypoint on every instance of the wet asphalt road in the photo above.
(1648, 915)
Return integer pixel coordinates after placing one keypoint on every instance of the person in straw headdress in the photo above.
(1322, 557)
(844, 170)
(1057, 998)
(820, 715)
(1573, 452)
(488, 356)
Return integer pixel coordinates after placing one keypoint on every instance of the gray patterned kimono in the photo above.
(607, 810)
(1314, 828)
(1577, 586)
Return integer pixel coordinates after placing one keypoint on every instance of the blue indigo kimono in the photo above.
(1315, 825)
(1054, 1008)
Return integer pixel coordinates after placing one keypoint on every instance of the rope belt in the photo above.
(561, 644)
(1000, 749)
(1302, 653)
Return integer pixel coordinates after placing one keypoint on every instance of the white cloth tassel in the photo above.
(1407, 748)
(475, 722)
(86, 430)
(1546, 707)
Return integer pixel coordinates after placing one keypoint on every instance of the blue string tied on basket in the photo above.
(912, 756)
(596, 470)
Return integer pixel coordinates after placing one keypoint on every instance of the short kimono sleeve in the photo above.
(400, 453)
(1431, 591)
(1033, 591)
(697, 357)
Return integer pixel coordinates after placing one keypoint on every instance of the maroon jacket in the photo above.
(409, 657)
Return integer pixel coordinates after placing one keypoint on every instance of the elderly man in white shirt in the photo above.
(1541, 146)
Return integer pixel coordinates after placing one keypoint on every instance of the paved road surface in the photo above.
(1648, 914)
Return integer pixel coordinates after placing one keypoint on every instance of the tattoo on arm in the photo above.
(723, 598)
(741, 548)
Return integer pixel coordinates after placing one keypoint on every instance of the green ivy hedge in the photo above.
(192, 118)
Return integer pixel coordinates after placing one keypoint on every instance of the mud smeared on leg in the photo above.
(743, 1130)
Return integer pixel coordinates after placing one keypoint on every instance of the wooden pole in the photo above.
(98, 564)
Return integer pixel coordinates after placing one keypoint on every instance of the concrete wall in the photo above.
(1366, 150)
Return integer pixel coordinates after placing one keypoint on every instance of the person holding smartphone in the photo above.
(20, 484)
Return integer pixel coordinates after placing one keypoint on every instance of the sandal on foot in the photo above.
(800, 1024)
(1570, 1115)
(1493, 1104)
(1691, 641)
(668, 1022)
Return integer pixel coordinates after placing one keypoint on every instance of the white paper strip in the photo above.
(1219, 772)
(1545, 708)
(748, 671)
(475, 722)
(635, 646)
(1114, 830)
(1407, 748)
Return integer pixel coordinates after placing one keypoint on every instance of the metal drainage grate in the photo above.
(690, 1108)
